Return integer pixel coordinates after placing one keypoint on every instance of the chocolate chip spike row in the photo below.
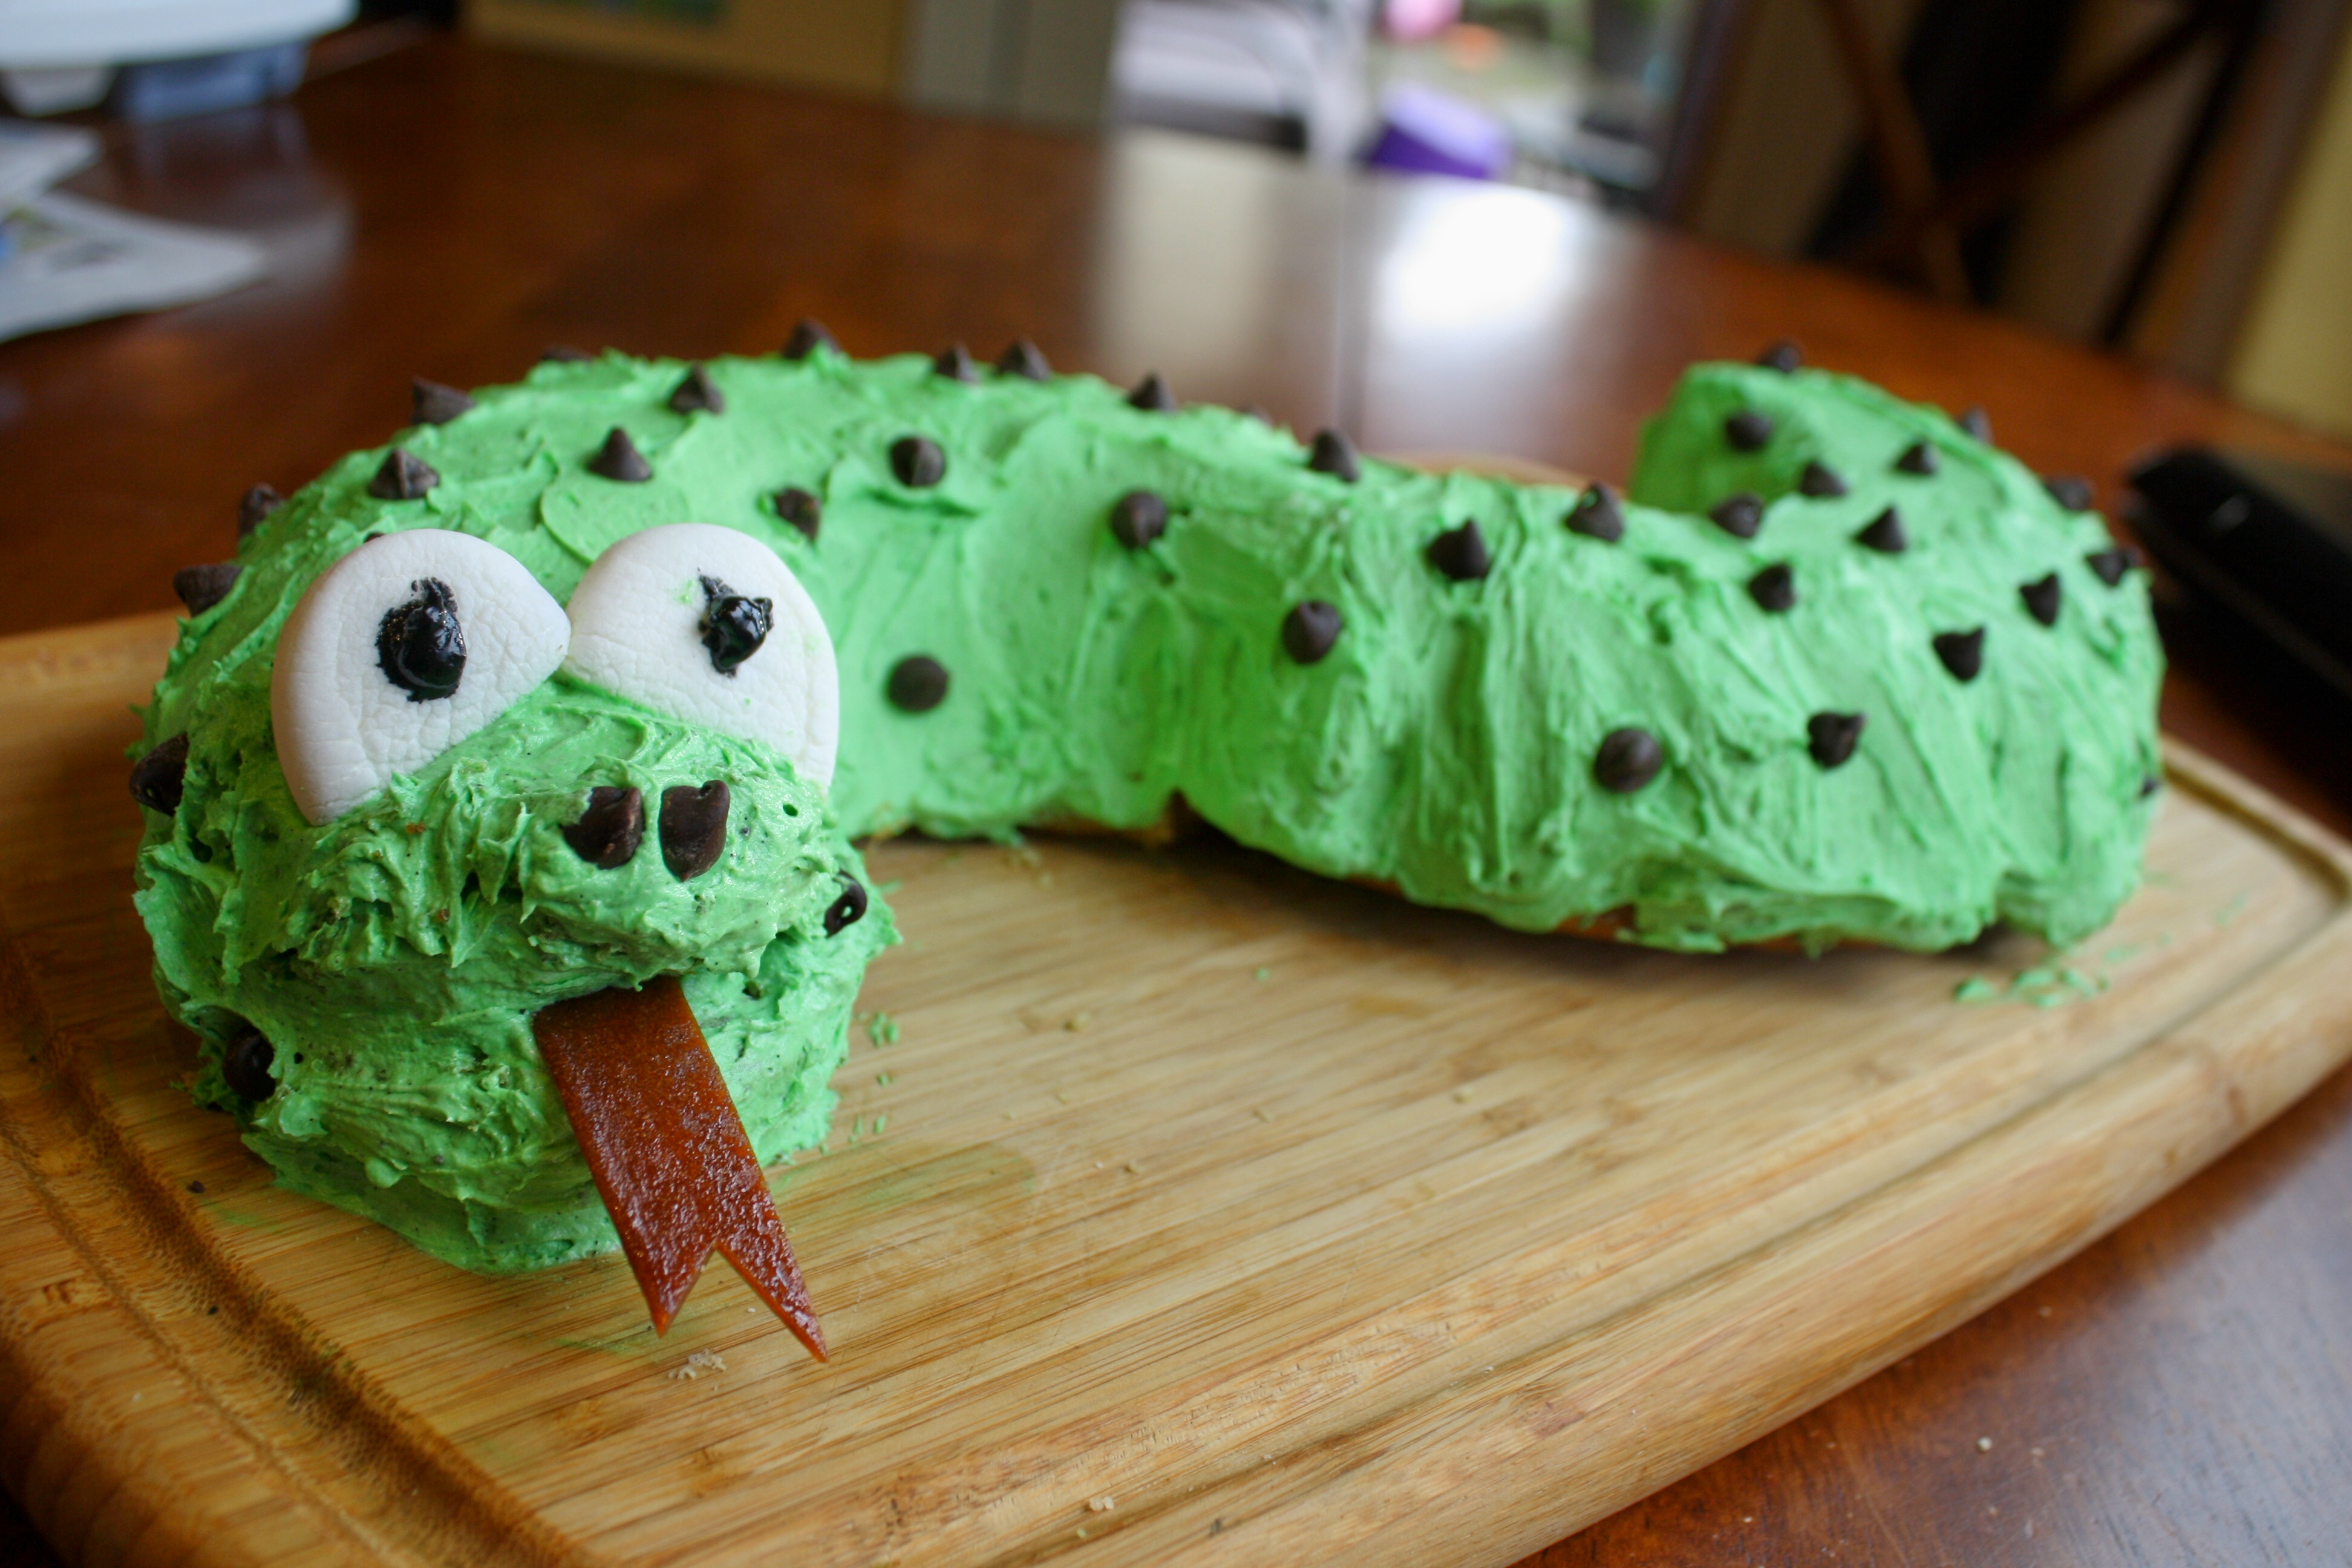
(1556, 708)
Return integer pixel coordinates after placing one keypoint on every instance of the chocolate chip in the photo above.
(403, 477)
(918, 684)
(1748, 431)
(1461, 552)
(1821, 481)
(563, 353)
(848, 910)
(698, 394)
(1962, 652)
(196, 1187)
(420, 645)
(2042, 596)
(1333, 454)
(2107, 565)
(2149, 786)
(800, 509)
(1976, 422)
(1739, 516)
(808, 337)
(1311, 630)
(1774, 589)
(1884, 533)
(917, 461)
(2071, 491)
(1831, 737)
(430, 403)
(693, 827)
(158, 778)
(1020, 358)
(202, 587)
(1598, 515)
(954, 362)
(610, 829)
(618, 459)
(245, 1066)
(257, 504)
(1918, 457)
(733, 626)
(1781, 355)
(1151, 395)
(1627, 759)
(1138, 518)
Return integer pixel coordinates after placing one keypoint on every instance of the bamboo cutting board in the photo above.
(1201, 1210)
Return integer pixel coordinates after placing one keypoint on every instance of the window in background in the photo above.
(1564, 94)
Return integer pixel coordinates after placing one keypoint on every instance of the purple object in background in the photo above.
(1425, 131)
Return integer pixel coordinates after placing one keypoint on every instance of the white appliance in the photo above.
(56, 55)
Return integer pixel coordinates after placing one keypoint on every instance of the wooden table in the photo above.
(2173, 1394)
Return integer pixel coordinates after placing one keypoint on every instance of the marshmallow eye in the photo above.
(710, 625)
(399, 651)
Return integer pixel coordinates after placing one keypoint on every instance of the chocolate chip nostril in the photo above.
(609, 831)
(158, 779)
(848, 910)
(244, 1064)
(693, 828)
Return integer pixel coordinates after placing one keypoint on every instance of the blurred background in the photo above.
(2169, 178)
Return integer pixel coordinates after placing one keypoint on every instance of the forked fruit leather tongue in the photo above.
(667, 1148)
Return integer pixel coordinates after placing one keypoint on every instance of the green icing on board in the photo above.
(1446, 746)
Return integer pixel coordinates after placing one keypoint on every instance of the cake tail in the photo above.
(667, 1148)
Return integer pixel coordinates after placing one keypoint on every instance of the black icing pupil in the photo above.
(734, 627)
(420, 646)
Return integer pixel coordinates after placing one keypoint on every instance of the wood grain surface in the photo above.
(448, 211)
(1197, 1209)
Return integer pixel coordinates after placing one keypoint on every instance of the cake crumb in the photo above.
(1133, 1169)
(881, 1029)
(697, 1364)
(1102, 1504)
(882, 1079)
(880, 1122)
(1262, 1114)
(1262, 972)
(1078, 1021)
(1462, 1095)
(1984, 1444)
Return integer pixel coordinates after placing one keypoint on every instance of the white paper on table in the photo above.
(70, 260)
(34, 157)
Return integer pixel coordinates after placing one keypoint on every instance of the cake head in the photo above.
(418, 802)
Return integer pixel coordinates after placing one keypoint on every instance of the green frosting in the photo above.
(1445, 745)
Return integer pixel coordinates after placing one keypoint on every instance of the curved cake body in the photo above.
(1450, 741)
(1446, 744)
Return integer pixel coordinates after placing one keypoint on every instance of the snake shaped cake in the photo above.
(1832, 669)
